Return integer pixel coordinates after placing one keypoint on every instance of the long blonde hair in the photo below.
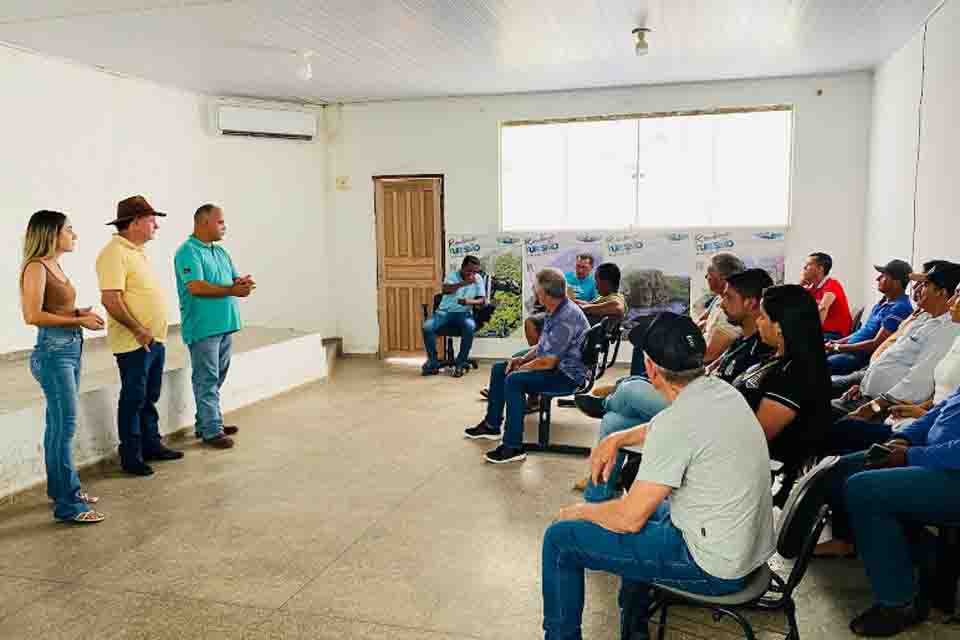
(40, 241)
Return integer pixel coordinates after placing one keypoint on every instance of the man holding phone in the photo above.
(883, 497)
(462, 291)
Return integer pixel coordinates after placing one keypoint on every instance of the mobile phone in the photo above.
(877, 454)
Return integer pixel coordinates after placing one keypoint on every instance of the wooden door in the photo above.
(409, 214)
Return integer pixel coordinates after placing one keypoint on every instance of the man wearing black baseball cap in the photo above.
(708, 454)
(852, 353)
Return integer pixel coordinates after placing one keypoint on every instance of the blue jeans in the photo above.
(840, 364)
(210, 360)
(850, 435)
(138, 423)
(657, 554)
(634, 402)
(885, 510)
(443, 320)
(510, 390)
(55, 364)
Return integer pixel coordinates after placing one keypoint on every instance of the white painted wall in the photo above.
(893, 160)
(459, 138)
(915, 147)
(77, 140)
(938, 187)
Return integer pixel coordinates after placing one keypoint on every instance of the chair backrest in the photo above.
(594, 352)
(436, 300)
(613, 331)
(802, 521)
(857, 319)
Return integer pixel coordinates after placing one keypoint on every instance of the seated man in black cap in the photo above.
(635, 401)
(717, 526)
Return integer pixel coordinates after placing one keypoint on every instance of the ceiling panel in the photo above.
(378, 49)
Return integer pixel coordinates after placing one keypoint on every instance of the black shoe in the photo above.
(504, 454)
(429, 370)
(590, 405)
(880, 622)
(163, 454)
(482, 431)
(139, 470)
(485, 393)
(458, 372)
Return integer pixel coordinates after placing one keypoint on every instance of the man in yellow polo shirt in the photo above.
(136, 332)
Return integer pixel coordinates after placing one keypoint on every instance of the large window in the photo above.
(675, 170)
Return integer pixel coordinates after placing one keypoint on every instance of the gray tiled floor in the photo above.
(350, 509)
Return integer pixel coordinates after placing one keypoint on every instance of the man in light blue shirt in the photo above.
(462, 290)
(581, 279)
(208, 286)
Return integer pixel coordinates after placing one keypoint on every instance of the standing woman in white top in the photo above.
(48, 299)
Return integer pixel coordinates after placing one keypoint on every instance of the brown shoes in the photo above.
(220, 442)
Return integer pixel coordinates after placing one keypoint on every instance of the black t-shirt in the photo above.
(745, 352)
(788, 383)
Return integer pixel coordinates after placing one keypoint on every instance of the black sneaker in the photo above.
(458, 372)
(429, 369)
(590, 405)
(880, 622)
(163, 454)
(482, 431)
(139, 470)
(485, 393)
(504, 454)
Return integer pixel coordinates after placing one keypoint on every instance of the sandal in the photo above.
(87, 517)
(87, 498)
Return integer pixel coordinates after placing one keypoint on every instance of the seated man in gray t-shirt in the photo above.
(708, 454)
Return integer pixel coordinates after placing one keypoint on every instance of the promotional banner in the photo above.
(660, 270)
(758, 248)
(655, 271)
(501, 258)
(559, 250)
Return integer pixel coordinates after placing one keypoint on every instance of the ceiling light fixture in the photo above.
(640, 40)
(305, 72)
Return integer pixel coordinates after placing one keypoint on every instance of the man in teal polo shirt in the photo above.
(208, 286)
(462, 291)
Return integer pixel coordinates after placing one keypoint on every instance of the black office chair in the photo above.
(597, 358)
(800, 525)
(447, 356)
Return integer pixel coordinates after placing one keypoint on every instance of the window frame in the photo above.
(791, 162)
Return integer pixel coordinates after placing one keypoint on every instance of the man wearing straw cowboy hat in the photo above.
(136, 332)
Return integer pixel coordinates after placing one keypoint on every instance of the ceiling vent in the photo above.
(256, 122)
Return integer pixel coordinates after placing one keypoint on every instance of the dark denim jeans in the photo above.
(840, 364)
(850, 435)
(138, 423)
(210, 361)
(885, 510)
(441, 320)
(657, 554)
(55, 364)
(510, 390)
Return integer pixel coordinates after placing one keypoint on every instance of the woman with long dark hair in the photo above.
(48, 299)
(789, 391)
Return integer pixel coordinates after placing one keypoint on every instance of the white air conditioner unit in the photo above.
(266, 123)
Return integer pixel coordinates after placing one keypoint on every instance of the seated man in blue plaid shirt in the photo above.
(553, 365)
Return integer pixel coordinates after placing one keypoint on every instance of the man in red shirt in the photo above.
(829, 294)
